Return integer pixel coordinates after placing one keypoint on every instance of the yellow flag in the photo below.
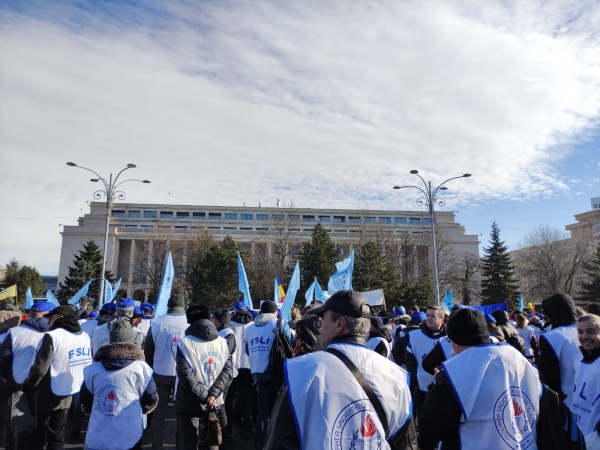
(9, 292)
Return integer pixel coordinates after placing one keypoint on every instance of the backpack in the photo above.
(280, 351)
(512, 337)
(556, 426)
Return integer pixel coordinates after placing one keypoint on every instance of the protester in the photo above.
(308, 336)
(117, 388)
(558, 349)
(222, 320)
(510, 335)
(379, 337)
(586, 398)
(527, 333)
(90, 323)
(401, 341)
(124, 310)
(57, 374)
(8, 320)
(204, 371)
(494, 332)
(148, 315)
(485, 397)
(160, 350)
(318, 406)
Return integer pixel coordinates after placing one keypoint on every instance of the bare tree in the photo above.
(465, 275)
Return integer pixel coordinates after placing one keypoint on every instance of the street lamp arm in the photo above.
(129, 166)
(416, 187)
(444, 182)
(116, 185)
(89, 170)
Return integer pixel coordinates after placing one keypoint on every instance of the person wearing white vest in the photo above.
(380, 337)
(160, 350)
(487, 396)
(259, 341)
(57, 374)
(117, 388)
(204, 372)
(90, 323)
(558, 349)
(586, 398)
(323, 406)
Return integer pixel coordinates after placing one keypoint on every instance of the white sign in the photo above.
(596, 203)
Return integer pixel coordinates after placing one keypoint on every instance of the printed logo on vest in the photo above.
(514, 416)
(354, 428)
(209, 363)
(109, 400)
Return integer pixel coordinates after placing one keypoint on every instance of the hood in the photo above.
(117, 355)
(264, 318)
(39, 324)
(382, 333)
(560, 308)
(501, 317)
(243, 317)
(203, 329)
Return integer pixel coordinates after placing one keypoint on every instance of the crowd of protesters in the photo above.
(404, 379)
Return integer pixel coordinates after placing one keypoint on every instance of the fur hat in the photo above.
(120, 331)
(197, 312)
(467, 327)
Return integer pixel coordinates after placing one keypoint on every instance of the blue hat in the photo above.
(92, 315)
(137, 311)
(399, 311)
(42, 306)
(147, 306)
(240, 306)
(109, 307)
(126, 303)
(489, 318)
(418, 316)
(254, 313)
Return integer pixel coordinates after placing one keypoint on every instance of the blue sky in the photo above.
(319, 103)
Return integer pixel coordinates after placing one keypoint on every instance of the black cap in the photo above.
(467, 327)
(348, 303)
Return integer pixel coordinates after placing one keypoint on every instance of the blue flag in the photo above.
(108, 293)
(29, 299)
(521, 305)
(449, 301)
(342, 279)
(165, 288)
(51, 298)
(115, 289)
(81, 293)
(243, 283)
(319, 294)
(314, 292)
(290, 295)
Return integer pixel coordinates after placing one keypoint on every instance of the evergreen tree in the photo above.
(318, 258)
(372, 271)
(420, 292)
(86, 265)
(590, 289)
(24, 277)
(498, 283)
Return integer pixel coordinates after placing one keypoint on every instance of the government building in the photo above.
(132, 227)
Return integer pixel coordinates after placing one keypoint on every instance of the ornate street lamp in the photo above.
(111, 192)
(430, 200)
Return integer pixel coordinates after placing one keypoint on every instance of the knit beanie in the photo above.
(268, 307)
(125, 308)
(120, 331)
(176, 302)
(467, 327)
(222, 315)
(197, 312)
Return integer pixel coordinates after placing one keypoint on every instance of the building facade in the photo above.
(132, 227)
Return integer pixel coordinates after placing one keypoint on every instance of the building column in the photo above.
(130, 269)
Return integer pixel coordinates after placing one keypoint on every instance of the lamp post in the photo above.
(111, 192)
(431, 200)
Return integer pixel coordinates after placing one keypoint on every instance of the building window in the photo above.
(308, 218)
(183, 215)
(369, 219)
(130, 226)
(353, 219)
(180, 227)
(400, 220)
(426, 220)
(149, 214)
(324, 219)
(415, 221)
(244, 216)
(262, 217)
(245, 228)
(229, 230)
(133, 214)
(278, 217)
(342, 251)
(230, 216)
(245, 248)
(118, 213)
(339, 219)
(294, 217)
(147, 226)
(214, 216)
(262, 229)
(146, 247)
(166, 214)
(386, 220)
(293, 250)
(198, 216)
(143, 270)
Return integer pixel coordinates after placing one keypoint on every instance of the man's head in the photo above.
(467, 328)
(197, 312)
(40, 309)
(136, 319)
(434, 318)
(240, 306)
(376, 324)
(147, 309)
(268, 307)
(109, 309)
(588, 332)
(345, 312)
(125, 308)
(220, 317)
(120, 331)
(61, 312)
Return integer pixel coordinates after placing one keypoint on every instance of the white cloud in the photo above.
(323, 103)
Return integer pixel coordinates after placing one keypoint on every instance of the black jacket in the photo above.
(116, 356)
(191, 394)
(411, 362)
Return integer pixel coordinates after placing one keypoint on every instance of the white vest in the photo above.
(586, 397)
(116, 418)
(25, 342)
(499, 394)
(526, 334)
(72, 353)
(144, 326)
(206, 358)
(260, 341)
(420, 345)
(240, 357)
(167, 330)
(224, 333)
(89, 326)
(565, 344)
(446, 347)
(333, 411)
(100, 337)
(373, 342)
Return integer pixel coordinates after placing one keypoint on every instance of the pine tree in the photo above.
(372, 271)
(24, 277)
(590, 289)
(86, 265)
(318, 258)
(498, 281)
